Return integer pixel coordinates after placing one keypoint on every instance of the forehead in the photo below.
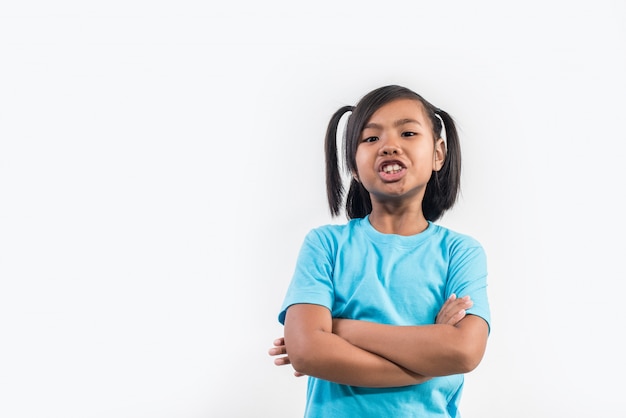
(400, 109)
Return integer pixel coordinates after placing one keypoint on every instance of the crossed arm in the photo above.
(369, 354)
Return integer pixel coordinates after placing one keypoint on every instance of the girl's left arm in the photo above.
(430, 350)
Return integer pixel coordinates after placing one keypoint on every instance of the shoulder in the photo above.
(454, 240)
(333, 233)
(465, 254)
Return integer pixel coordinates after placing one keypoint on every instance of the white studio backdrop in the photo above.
(161, 162)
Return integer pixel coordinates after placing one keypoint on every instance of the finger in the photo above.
(279, 341)
(456, 304)
(450, 305)
(446, 306)
(277, 351)
(465, 302)
(452, 318)
(282, 361)
(449, 301)
(298, 374)
(457, 317)
(449, 313)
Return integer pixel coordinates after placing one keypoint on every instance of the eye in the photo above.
(370, 139)
(405, 134)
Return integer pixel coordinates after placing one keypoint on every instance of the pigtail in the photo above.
(444, 185)
(334, 183)
(358, 201)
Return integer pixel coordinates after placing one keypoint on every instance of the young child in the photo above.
(371, 314)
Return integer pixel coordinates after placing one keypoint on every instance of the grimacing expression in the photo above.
(397, 152)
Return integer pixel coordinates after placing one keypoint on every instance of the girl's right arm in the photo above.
(314, 350)
(450, 313)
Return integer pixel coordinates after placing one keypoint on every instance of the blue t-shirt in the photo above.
(359, 273)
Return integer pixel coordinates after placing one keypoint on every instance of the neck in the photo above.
(400, 223)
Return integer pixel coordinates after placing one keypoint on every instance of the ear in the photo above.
(439, 156)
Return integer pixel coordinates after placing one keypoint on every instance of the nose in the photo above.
(389, 150)
(389, 145)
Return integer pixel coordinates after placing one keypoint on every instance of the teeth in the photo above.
(392, 168)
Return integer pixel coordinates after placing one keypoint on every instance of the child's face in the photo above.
(397, 153)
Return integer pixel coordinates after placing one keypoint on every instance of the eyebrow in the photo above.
(396, 124)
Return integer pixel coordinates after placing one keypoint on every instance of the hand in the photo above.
(453, 310)
(278, 350)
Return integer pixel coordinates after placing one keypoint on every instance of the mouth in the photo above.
(391, 167)
(391, 171)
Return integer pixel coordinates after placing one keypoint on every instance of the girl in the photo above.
(371, 314)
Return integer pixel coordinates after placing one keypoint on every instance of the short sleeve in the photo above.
(467, 275)
(312, 281)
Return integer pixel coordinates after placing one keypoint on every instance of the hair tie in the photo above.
(443, 131)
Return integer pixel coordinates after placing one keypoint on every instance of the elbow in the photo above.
(468, 359)
(468, 363)
(302, 359)
(299, 363)
(468, 350)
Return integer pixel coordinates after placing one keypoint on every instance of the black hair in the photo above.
(442, 188)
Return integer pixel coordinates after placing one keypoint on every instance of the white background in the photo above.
(161, 162)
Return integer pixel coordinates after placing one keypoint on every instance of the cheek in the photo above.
(359, 159)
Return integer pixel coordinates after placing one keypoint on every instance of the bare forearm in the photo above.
(430, 350)
(315, 351)
(330, 357)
